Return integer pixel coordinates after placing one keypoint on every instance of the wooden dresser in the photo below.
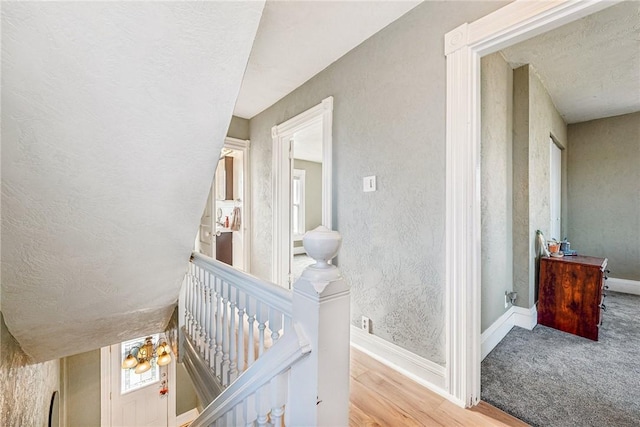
(571, 294)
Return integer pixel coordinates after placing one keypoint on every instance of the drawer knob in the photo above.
(606, 286)
(603, 307)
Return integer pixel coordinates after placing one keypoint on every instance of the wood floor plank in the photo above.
(379, 408)
(357, 417)
(405, 396)
(497, 414)
(381, 396)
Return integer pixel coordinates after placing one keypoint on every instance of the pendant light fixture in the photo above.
(141, 357)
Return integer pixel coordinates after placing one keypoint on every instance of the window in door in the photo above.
(131, 381)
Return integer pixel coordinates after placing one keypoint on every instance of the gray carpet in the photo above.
(550, 378)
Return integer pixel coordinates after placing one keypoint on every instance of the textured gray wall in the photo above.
(496, 178)
(535, 120)
(389, 121)
(82, 394)
(604, 191)
(312, 192)
(521, 185)
(25, 387)
(238, 128)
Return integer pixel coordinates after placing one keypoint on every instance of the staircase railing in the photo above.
(258, 353)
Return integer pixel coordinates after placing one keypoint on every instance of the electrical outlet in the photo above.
(366, 324)
(506, 299)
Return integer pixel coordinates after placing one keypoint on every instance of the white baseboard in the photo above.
(492, 336)
(419, 369)
(526, 318)
(623, 285)
(187, 417)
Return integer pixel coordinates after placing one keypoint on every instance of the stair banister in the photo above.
(300, 377)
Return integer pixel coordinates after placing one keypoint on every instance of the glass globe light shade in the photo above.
(129, 362)
(164, 358)
(143, 367)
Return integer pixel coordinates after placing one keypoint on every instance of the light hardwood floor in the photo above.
(381, 396)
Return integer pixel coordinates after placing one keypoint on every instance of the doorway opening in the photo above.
(224, 225)
(464, 46)
(302, 187)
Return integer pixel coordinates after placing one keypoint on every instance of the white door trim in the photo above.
(105, 386)
(244, 145)
(281, 185)
(464, 47)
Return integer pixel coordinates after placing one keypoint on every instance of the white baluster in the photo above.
(288, 323)
(212, 320)
(239, 414)
(187, 303)
(233, 345)
(275, 324)
(278, 398)
(262, 402)
(251, 343)
(262, 320)
(241, 310)
(249, 407)
(201, 315)
(196, 308)
(218, 361)
(225, 334)
(192, 290)
(207, 316)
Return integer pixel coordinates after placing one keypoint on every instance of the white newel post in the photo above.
(319, 383)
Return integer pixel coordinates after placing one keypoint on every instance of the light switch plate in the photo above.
(369, 183)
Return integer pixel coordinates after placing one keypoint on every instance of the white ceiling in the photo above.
(298, 39)
(590, 67)
(113, 116)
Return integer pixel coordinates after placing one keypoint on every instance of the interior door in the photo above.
(137, 400)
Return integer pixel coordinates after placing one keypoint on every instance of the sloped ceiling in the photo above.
(113, 116)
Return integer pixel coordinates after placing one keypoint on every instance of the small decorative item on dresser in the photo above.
(541, 245)
(554, 246)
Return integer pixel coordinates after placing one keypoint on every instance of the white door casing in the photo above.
(205, 242)
(243, 197)
(555, 190)
(282, 135)
(464, 46)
